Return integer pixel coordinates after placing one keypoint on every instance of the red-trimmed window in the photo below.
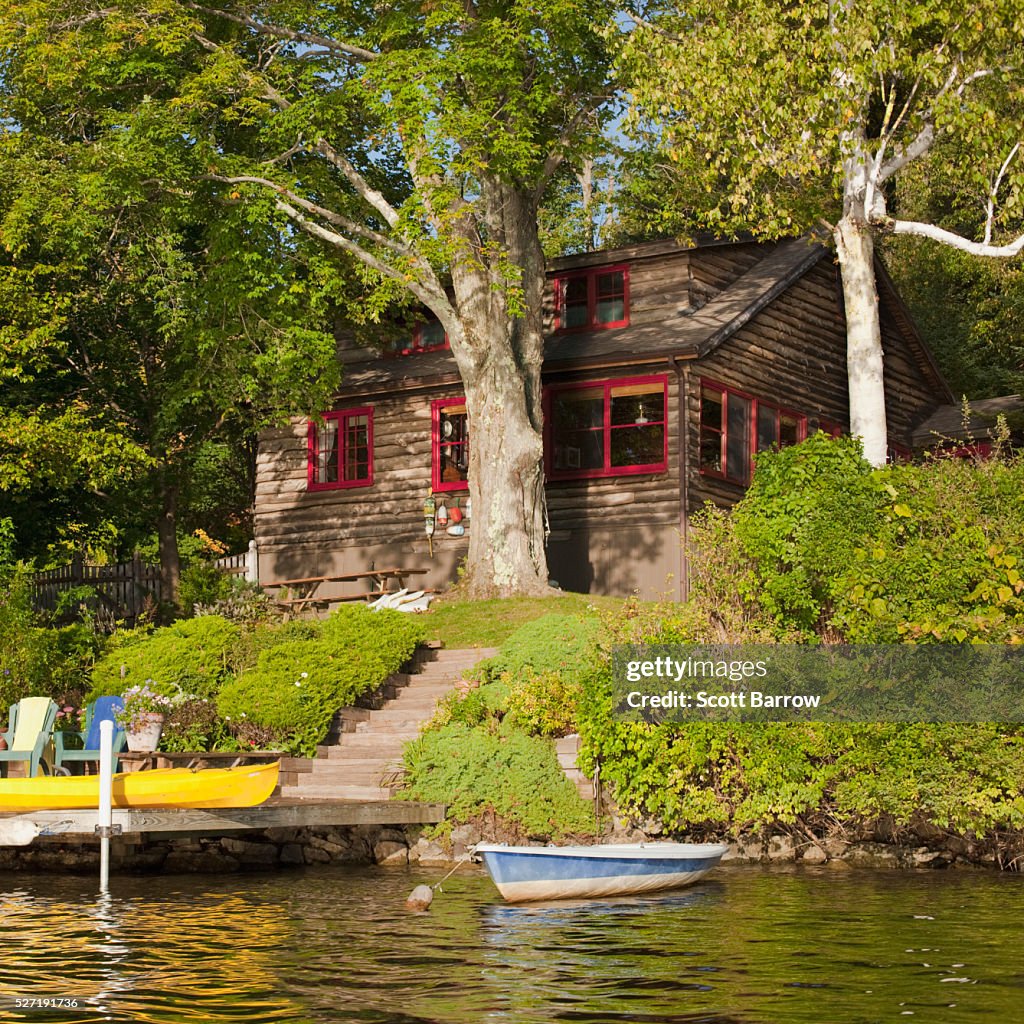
(427, 336)
(606, 429)
(734, 426)
(592, 298)
(341, 449)
(897, 453)
(449, 445)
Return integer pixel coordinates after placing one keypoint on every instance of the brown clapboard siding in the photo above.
(764, 319)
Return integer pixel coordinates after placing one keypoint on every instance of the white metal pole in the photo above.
(106, 799)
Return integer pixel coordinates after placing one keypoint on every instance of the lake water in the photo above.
(335, 945)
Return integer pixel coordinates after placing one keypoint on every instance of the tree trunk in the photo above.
(167, 539)
(864, 363)
(499, 348)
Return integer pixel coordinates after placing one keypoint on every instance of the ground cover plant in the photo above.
(826, 549)
(488, 751)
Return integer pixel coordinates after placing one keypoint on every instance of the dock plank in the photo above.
(222, 820)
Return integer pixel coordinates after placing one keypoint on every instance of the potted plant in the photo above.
(142, 717)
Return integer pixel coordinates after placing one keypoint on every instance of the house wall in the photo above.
(614, 535)
(331, 532)
(793, 353)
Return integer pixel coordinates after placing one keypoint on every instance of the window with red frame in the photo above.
(897, 453)
(341, 450)
(734, 426)
(592, 298)
(427, 336)
(606, 429)
(450, 445)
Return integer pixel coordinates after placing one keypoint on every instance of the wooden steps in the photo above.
(362, 757)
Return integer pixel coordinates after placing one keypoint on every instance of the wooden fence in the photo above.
(118, 593)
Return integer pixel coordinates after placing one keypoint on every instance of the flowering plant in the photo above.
(69, 719)
(140, 701)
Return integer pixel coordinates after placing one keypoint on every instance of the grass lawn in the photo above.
(460, 624)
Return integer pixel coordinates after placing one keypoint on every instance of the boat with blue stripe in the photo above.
(524, 873)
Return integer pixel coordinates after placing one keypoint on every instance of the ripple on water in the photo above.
(335, 946)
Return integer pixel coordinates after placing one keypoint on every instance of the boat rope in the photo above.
(458, 864)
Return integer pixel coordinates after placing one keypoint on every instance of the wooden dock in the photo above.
(275, 813)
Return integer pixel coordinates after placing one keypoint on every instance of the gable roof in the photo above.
(686, 333)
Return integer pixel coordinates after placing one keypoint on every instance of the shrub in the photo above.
(545, 703)
(190, 656)
(203, 583)
(297, 685)
(475, 770)
(552, 643)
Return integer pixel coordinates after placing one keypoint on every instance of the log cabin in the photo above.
(667, 368)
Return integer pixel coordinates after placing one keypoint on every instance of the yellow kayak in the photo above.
(243, 786)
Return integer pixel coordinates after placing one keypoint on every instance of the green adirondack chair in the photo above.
(101, 709)
(31, 722)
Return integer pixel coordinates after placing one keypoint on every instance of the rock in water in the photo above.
(420, 898)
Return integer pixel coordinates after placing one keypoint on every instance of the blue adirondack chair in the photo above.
(103, 709)
(28, 733)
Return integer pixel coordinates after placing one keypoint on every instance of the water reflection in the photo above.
(336, 946)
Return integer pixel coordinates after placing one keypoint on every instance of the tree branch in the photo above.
(950, 238)
(351, 226)
(280, 32)
(559, 148)
(358, 182)
(430, 293)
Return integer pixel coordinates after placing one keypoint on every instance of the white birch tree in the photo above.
(779, 117)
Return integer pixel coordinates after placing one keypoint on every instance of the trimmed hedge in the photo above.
(291, 694)
(190, 657)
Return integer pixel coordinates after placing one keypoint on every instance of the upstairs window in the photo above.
(607, 429)
(735, 426)
(450, 445)
(427, 336)
(591, 299)
(341, 450)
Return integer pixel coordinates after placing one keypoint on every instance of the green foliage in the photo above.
(808, 506)
(545, 703)
(945, 561)
(302, 676)
(191, 656)
(195, 725)
(203, 583)
(552, 643)
(477, 770)
(825, 548)
(36, 660)
(731, 778)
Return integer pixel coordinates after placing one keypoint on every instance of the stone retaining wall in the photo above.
(277, 848)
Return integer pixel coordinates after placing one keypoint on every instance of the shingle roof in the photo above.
(688, 333)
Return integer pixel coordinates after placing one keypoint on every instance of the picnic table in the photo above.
(305, 589)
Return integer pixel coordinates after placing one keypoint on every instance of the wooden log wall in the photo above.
(793, 353)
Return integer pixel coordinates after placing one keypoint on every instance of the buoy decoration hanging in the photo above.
(469, 508)
(442, 515)
(455, 513)
(429, 511)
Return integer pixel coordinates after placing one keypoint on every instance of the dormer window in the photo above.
(591, 299)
